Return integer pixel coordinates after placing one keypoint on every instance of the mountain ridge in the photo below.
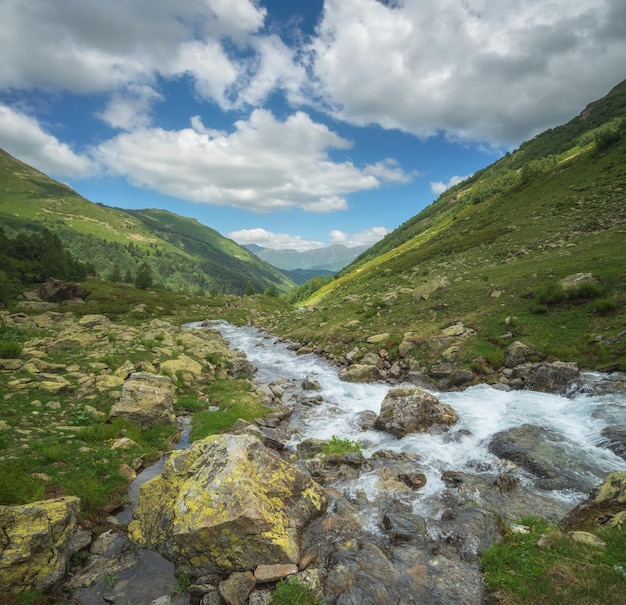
(182, 253)
(324, 259)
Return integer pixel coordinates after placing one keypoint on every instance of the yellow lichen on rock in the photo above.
(227, 503)
(35, 545)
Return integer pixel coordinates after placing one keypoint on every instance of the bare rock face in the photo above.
(146, 399)
(226, 504)
(413, 410)
(36, 543)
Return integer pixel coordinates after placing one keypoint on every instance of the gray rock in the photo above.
(413, 410)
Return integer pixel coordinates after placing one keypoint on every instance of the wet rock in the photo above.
(614, 438)
(227, 503)
(413, 410)
(365, 420)
(240, 367)
(36, 543)
(310, 384)
(146, 399)
(470, 530)
(405, 527)
(604, 502)
(546, 377)
(547, 455)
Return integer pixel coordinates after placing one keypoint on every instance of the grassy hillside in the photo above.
(182, 253)
(497, 245)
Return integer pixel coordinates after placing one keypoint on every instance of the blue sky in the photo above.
(292, 124)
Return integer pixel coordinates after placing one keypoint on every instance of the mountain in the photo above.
(484, 265)
(321, 260)
(182, 253)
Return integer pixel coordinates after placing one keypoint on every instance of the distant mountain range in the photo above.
(321, 261)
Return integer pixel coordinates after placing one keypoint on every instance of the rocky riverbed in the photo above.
(381, 524)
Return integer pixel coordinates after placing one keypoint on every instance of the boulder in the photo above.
(146, 399)
(546, 377)
(182, 363)
(36, 543)
(518, 353)
(55, 290)
(424, 291)
(547, 455)
(614, 438)
(605, 502)
(226, 504)
(413, 410)
(359, 372)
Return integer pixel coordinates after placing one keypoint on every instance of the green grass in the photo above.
(235, 400)
(292, 591)
(337, 446)
(556, 571)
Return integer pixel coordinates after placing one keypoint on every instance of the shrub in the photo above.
(10, 350)
(602, 306)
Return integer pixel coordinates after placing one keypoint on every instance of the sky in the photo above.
(293, 124)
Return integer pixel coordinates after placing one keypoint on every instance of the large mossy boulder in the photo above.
(37, 541)
(146, 400)
(413, 410)
(226, 504)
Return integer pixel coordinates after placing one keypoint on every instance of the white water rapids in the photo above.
(482, 411)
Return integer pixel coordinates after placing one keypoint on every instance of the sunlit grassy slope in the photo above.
(183, 253)
(499, 241)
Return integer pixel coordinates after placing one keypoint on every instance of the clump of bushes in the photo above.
(553, 294)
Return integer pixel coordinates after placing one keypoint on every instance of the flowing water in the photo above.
(482, 411)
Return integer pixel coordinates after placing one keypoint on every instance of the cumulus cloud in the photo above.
(284, 241)
(368, 237)
(476, 70)
(23, 136)
(438, 187)
(90, 46)
(276, 241)
(264, 164)
(130, 108)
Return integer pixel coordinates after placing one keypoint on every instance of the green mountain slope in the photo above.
(182, 253)
(490, 253)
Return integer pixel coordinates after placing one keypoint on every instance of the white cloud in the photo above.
(276, 241)
(130, 108)
(91, 46)
(22, 136)
(476, 70)
(263, 165)
(368, 237)
(284, 241)
(438, 187)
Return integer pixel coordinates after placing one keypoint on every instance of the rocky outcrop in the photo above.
(226, 504)
(36, 543)
(146, 399)
(55, 290)
(544, 377)
(413, 410)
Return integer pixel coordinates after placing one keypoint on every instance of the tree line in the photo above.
(28, 258)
